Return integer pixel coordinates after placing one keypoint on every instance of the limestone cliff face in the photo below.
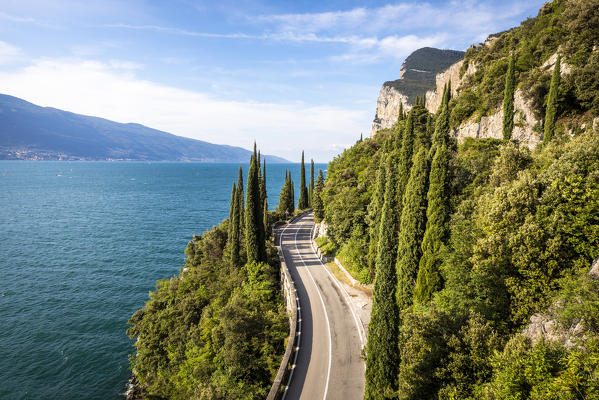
(387, 108)
(450, 75)
(526, 126)
(417, 75)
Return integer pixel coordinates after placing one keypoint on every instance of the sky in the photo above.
(291, 75)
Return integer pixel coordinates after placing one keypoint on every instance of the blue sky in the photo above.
(292, 75)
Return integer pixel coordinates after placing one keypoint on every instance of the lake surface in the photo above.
(81, 245)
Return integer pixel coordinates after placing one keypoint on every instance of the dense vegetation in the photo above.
(567, 27)
(217, 330)
(481, 235)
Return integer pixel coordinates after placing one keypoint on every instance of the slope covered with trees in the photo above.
(217, 330)
(569, 28)
(485, 233)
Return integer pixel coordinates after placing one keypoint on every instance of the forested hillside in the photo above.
(217, 330)
(566, 27)
(466, 241)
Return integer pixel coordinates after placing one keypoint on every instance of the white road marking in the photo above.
(359, 326)
(326, 388)
(299, 310)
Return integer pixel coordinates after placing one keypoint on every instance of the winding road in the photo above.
(327, 363)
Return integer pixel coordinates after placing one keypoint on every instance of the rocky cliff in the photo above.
(527, 126)
(417, 76)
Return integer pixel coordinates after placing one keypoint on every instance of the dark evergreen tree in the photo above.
(254, 223)
(508, 100)
(441, 134)
(291, 204)
(428, 280)
(551, 111)
(264, 198)
(400, 115)
(302, 204)
(311, 188)
(374, 212)
(317, 203)
(382, 351)
(411, 229)
(240, 208)
(232, 202)
(405, 159)
(284, 197)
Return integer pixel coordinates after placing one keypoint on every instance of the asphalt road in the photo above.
(328, 363)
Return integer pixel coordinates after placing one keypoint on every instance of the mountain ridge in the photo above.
(29, 131)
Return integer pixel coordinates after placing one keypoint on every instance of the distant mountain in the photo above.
(28, 131)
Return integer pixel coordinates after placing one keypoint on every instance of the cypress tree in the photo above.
(254, 223)
(441, 134)
(302, 204)
(232, 202)
(382, 351)
(405, 159)
(264, 198)
(508, 100)
(428, 280)
(233, 234)
(374, 212)
(551, 111)
(292, 195)
(400, 116)
(240, 206)
(317, 203)
(411, 229)
(265, 222)
(283, 197)
(311, 188)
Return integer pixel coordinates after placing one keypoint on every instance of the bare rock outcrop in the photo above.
(526, 125)
(546, 326)
(387, 108)
(450, 75)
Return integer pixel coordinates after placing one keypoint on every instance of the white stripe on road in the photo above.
(326, 388)
(299, 310)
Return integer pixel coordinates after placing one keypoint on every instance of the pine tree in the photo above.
(382, 351)
(374, 212)
(428, 280)
(551, 111)
(317, 203)
(302, 204)
(254, 223)
(508, 100)
(411, 229)
(311, 188)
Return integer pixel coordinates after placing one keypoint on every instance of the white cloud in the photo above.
(9, 53)
(100, 89)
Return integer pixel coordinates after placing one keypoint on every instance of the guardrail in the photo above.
(292, 306)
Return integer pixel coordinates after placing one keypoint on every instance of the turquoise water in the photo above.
(81, 244)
